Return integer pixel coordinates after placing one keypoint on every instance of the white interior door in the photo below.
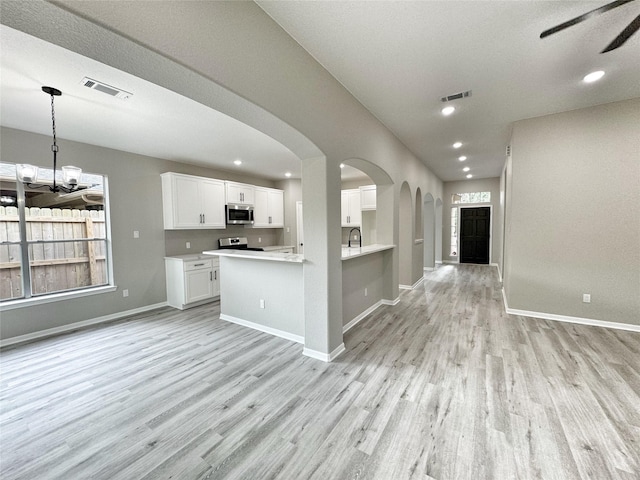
(300, 232)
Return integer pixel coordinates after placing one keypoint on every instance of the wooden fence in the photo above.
(57, 263)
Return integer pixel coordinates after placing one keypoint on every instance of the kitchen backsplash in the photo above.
(175, 241)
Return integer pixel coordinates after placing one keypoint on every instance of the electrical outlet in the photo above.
(136, 234)
(188, 244)
(261, 303)
(259, 239)
(365, 291)
(125, 292)
(586, 298)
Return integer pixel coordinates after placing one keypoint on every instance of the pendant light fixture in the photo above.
(28, 174)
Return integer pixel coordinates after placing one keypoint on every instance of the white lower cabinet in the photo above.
(192, 280)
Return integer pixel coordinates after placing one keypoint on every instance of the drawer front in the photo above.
(197, 265)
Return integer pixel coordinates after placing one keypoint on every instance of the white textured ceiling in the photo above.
(154, 121)
(400, 57)
(397, 57)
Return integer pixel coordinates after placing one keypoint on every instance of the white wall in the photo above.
(573, 227)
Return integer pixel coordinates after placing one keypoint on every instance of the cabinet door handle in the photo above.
(269, 219)
(211, 276)
(215, 275)
(198, 264)
(203, 218)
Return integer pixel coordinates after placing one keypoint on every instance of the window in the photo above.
(453, 251)
(58, 243)
(472, 197)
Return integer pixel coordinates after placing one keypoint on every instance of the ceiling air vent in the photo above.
(104, 88)
(456, 96)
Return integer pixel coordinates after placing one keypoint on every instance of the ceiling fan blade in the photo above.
(624, 35)
(582, 18)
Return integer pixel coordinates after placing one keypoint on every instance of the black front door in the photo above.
(474, 235)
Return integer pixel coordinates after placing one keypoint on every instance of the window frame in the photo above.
(28, 298)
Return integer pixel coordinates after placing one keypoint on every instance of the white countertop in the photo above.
(188, 257)
(253, 255)
(353, 252)
(276, 247)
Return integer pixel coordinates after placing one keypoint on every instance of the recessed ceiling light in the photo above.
(457, 145)
(288, 174)
(342, 165)
(593, 76)
(466, 169)
(462, 158)
(237, 162)
(448, 110)
(469, 176)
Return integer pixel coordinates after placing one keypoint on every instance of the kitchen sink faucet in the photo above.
(359, 236)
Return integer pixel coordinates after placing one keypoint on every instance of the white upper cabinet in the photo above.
(240, 193)
(268, 210)
(368, 197)
(192, 202)
(350, 203)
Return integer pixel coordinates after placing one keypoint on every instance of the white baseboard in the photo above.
(412, 287)
(438, 262)
(357, 319)
(391, 302)
(451, 262)
(566, 318)
(499, 272)
(325, 357)
(74, 326)
(428, 269)
(256, 326)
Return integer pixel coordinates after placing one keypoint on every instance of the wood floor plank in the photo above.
(444, 385)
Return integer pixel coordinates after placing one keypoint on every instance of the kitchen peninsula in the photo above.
(264, 290)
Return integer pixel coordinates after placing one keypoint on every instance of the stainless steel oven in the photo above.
(236, 243)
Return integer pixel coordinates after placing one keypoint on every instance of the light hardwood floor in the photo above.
(443, 385)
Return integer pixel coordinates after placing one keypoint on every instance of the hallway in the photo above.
(443, 385)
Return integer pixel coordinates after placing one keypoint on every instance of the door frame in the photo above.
(476, 205)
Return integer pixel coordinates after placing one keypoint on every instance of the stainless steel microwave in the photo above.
(239, 214)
